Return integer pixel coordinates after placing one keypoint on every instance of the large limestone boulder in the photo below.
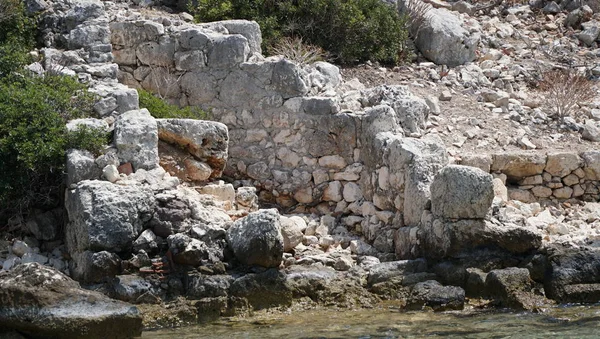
(257, 239)
(443, 39)
(206, 141)
(136, 139)
(42, 302)
(562, 164)
(105, 216)
(461, 192)
(420, 159)
(441, 239)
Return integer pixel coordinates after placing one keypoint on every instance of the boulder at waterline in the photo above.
(573, 275)
(256, 239)
(40, 301)
(432, 294)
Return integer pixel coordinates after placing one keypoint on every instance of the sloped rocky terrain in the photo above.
(426, 183)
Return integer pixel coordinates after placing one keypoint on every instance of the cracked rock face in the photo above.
(105, 216)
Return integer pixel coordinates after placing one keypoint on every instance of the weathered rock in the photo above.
(105, 216)
(136, 139)
(420, 159)
(227, 51)
(443, 40)
(519, 165)
(147, 241)
(507, 285)
(291, 230)
(94, 267)
(81, 166)
(207, 141)
(592, 164)
(461, 192)
(246, 197)
(134, 289)
(40, 301)
(439, 239)
(249, 29)
(202, 286)
(436, 296)
(395, 270)
(287, 79)
(591, 131)
(186, 250)
(561, 164)
(590, 33)
(263, 290)
(573, 275)
(257, 239)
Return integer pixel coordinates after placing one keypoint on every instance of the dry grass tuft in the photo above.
(296, 50)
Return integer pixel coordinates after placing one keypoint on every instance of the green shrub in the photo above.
(34, 138)
(161, 109)
(350, 30)
(17, 36)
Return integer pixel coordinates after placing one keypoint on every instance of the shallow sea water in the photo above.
(556, 322)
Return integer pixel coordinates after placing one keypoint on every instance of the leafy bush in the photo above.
(161, 109)
(34, 138)
(350, 30)
(17, 36)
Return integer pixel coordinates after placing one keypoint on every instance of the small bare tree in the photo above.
(565, 88)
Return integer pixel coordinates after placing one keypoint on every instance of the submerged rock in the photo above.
(432, 294)
(39, 301)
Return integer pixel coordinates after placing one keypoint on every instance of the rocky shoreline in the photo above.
(370, 204)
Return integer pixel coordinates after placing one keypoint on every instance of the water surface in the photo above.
(556, 322)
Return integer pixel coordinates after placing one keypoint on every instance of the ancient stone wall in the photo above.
(309, 142)
(536, 176)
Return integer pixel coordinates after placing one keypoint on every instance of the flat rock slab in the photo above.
(42, 302)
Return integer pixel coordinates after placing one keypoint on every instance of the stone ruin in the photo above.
(355, 166)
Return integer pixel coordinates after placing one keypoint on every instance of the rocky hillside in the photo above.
(415, 189)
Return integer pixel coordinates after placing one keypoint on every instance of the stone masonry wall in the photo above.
(308, 142)
(535, 176)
